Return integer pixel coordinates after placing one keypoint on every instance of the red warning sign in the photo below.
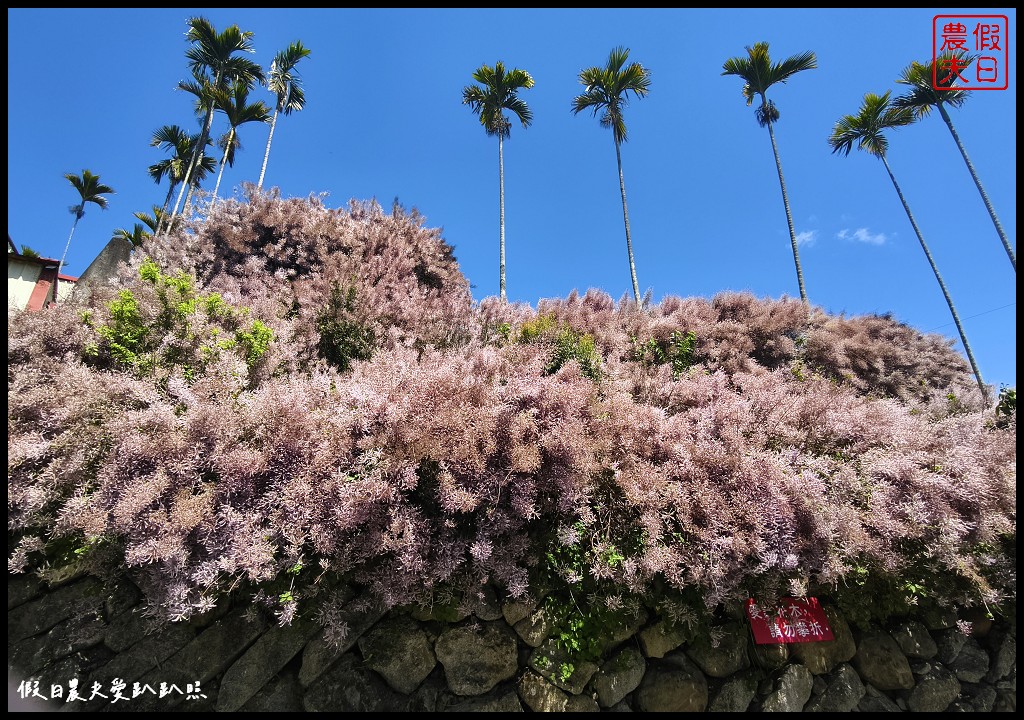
(795, 620)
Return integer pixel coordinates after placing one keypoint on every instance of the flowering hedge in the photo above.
(311, 393)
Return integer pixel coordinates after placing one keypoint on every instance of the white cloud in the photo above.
(807, 238)
(862, 235)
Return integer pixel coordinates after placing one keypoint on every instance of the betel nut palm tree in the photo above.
(607, 92)
(236, 107)
(215, 65)
(90, 190)
(181, 144)
(136, 236)
(286, 84)
(204, 94)
(932, 85)
(866, 130)
(498, 90)
(150, 221)
(759, 73)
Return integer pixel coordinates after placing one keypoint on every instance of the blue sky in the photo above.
(384, 119)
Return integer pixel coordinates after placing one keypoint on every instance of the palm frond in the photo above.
(136, 236)
(929, 86)
(759, 73)
(295, 100)
(212, 55)
(867, 128)
(617, 58)
(791, 66)
(151, 221)
(168, 136)
(284, 80)
(90, 188)
(607, 89)
(635, 79)
(498, 91)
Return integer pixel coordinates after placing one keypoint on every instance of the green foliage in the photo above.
(797, 369)
(871, 595)
(342, 339)
(1006, 407)
(187, 331)
(568, 344)
(572, 345)
(65, 556)
(581, 630)
(955, 405)
(88, 544)
(680, 350)
(28, 252)
(127, 333)
(578, 609)
(538, 329)
(505, 331)
(255, 341)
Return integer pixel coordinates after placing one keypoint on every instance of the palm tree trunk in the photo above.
(181, 194)
(266, 155)
(188, 200)
(197, 153)
(789, 217)
(223, 162)
(78, 216)
(625, 218)
(192, 164)
(935, 269)
(163, 211)
(501, 216)
(167, 200)
(984, 195)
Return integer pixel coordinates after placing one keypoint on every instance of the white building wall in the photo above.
(64, 290)
(21, 281)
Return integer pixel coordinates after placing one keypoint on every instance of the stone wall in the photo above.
(97, 641)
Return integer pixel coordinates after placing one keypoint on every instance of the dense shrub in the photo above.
(384, 429)
(176, 331)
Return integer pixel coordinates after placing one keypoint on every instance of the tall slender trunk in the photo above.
(188, 200)
(167, 201)
(193, 163)
(789, 217)
(163, 214)
(942, 284)
(223, 162)
(197, 153)
(501, 217)
(625, 219)
(163, 217)
(984, 195)
(181, 193)
(266, 155)
(78, 216)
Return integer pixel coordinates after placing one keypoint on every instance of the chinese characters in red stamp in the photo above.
(971, 51)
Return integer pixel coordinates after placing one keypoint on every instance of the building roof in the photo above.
(44, 261)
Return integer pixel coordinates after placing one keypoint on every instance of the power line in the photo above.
(986, 312)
